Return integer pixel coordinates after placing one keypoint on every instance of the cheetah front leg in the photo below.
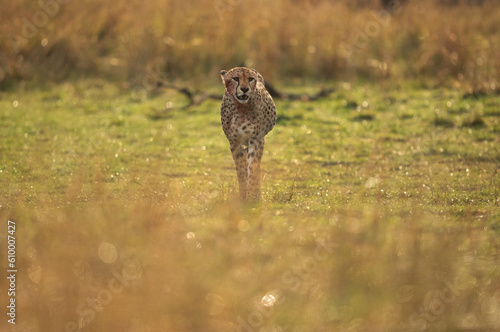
(255, 152)
(241, 161)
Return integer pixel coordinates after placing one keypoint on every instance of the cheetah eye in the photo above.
(251, 79)
(236, 79)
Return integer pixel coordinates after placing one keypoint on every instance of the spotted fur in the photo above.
(247, 113)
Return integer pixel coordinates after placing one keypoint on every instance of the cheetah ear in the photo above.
(222, 73)
(259, 76)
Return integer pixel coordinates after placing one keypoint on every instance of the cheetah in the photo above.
(248, 113)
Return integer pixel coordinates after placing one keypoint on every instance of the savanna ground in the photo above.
(381, 202)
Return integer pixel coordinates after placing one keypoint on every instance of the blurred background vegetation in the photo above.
(440, 42)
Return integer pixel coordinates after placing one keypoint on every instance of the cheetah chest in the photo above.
(242, 128)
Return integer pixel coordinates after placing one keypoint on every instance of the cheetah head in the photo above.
(240, 82)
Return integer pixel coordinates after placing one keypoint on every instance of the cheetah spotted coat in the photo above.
(248, 113)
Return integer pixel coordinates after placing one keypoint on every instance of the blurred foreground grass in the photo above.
(381, 212)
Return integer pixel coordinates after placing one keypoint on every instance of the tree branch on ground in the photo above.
(196, 98)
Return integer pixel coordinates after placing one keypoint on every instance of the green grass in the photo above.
(380, 212)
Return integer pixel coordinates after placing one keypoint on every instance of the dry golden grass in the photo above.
(146, 266)
(453, 44)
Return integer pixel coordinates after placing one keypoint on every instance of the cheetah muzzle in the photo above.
(248, 113)
(242, 98)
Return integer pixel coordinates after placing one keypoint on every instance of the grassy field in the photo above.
(381, 202)
(381, 212)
